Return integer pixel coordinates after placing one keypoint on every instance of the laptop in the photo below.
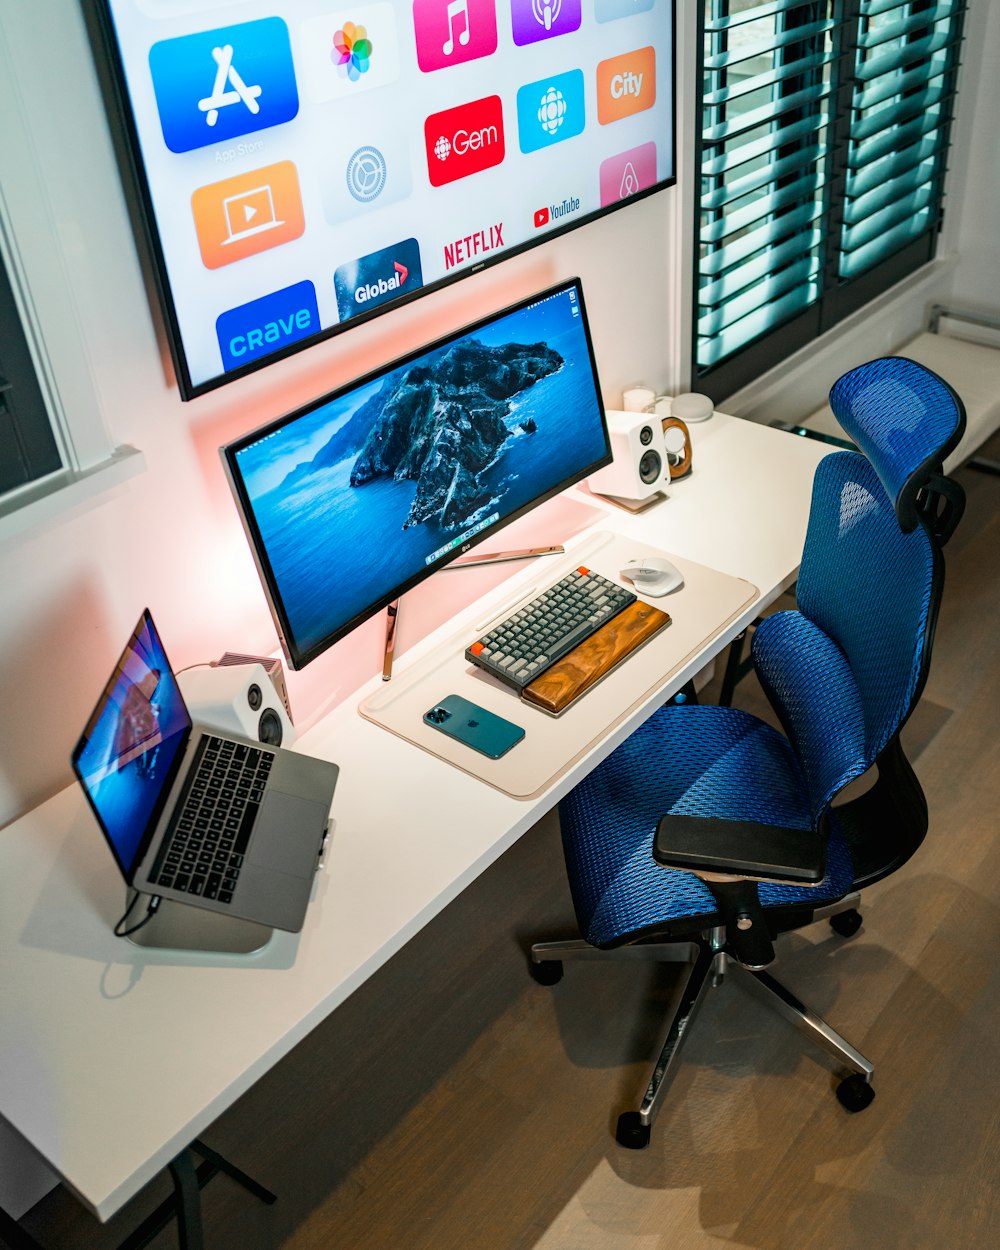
(201, 816)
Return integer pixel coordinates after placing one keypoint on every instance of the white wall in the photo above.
(170, 539)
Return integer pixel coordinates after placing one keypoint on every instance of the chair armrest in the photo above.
(742, 848)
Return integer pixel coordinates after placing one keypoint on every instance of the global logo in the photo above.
(552, 110)
(352, 51)
(362, 284)
(366, 174)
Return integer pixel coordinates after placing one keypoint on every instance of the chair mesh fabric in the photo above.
(900, 414)
(701, 761)
(842, 672)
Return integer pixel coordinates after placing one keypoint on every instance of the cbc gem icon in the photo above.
(216, 85)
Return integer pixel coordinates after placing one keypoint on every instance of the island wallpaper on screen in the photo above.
(355, 497)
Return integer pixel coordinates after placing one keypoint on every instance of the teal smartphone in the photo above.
(469, 723)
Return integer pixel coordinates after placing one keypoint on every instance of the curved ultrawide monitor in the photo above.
(354, 498)
(303, 165)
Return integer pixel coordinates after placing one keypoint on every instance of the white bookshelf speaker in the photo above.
(240, 698)
(639, 469)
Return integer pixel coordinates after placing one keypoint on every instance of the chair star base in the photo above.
(709, 962)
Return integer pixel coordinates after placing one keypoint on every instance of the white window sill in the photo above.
(66, 492)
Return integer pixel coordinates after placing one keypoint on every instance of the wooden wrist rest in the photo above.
(559, 686)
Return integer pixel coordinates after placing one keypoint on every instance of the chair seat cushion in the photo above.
(700, 761)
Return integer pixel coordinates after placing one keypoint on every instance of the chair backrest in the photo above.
(844, 671)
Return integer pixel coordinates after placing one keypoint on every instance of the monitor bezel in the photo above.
(148, 227)
(298, 657)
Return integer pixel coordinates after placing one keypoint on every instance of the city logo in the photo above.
(628, 172)
(464, 140)
(612, 10)
(247, 214)
(550, 111)
(352, 51)
(555, 212)
(219, 84)
(366, 174)
(266, 325)
(449, 32)
(626, 84)
(543, 19)
(375, 279)
(341, 54)
(473, 245)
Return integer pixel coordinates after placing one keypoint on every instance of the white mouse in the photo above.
(652, 575)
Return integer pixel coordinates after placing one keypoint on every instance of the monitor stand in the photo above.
(462, 562)
(178, 927)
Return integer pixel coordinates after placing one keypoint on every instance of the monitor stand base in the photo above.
(462, 562)
(632, 505)
(178, 927)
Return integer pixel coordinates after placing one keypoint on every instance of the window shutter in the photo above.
(822, 156)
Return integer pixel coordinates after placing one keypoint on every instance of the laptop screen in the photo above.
(129, 753)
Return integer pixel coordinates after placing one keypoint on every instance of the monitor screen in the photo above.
(353, 499)
(303, 165)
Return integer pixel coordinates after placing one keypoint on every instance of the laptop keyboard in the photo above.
(202, 852)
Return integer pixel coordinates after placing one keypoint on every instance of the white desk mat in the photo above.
(699, 610)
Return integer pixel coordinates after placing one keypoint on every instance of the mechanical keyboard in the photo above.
(548, 627)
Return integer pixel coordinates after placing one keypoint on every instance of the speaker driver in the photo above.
(269, 728)
(650, 467)
(254, 697)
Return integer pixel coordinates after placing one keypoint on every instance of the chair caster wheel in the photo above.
(631, 1132)
(547, 971)
(846, 923)
(854, 1093)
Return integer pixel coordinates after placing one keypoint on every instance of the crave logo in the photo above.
(376, 278)
(464, 140)
(472, 245)
(266, 325)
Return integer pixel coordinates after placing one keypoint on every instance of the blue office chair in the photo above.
(707, 832)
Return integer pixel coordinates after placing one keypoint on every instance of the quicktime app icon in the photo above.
(375, 279)
(219, 84)
(464, 140)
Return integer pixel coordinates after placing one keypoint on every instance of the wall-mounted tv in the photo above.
(307, 164)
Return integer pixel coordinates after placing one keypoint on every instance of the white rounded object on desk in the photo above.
(691, 407)
(638, 399)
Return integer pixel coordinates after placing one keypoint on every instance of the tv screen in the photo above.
(305, 165)
(353, 499)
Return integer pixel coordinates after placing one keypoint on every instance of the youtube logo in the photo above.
(541, 217)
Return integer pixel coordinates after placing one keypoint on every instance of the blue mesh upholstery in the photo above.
(691, 760)
(842, 672)
(903, 417)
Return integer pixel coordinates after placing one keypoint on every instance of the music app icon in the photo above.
(449, 32)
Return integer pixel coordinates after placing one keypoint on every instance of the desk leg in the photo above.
(13, 1235)
(187, 1192)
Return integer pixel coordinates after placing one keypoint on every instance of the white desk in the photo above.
(90, 1023)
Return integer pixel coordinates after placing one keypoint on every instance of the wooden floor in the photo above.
(452, 1104)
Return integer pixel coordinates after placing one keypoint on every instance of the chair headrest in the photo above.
(905, 419)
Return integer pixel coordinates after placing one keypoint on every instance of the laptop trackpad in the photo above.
(288, 835)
